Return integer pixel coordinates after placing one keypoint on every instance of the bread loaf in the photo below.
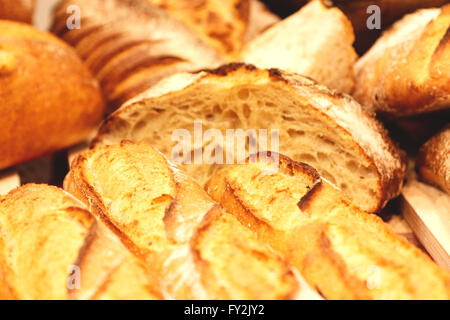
(197, 250)
(302, 44)
(407, 72)
(51, 247)
(343, 252)
(129, 45)
(225, 25)
(433, 161)
(323, 128)
(49, 98)
(19, 10)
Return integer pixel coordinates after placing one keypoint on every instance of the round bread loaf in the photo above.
(49, 100)
(20, 10)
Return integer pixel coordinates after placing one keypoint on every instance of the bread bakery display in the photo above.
(49, 98)
(323, 128)
(407, 71)
(197, 250)
(212, 150)
(433, 163)
(343, 252)
(18, 10)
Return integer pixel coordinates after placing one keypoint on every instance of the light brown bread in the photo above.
(49, 98)
(343, 252)
(433, 161)
(327, 130)
(407, 72)
(197, 250)
(129, 45)
(51, 247)
(302, 43)
(18, 10)
(225, 25)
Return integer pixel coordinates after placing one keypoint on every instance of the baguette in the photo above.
(433, 161)
(49, 98)
(302, 43)
(54, 235)
(407, 72)
(341, 251)
(196, 249)
(17, 10)
(129, 45)
(327, 130)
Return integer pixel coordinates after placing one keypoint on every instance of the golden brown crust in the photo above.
(433, 161)
(175, 227)
(49, 98)
(406, 71)
(18, 10)
(119, 52)
(343, 252)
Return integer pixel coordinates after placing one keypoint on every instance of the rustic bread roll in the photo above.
(48, 239)
(323, 128)
(433, 161)
(407, 72)
(343, 252)
(129, 45)
(49, 98)
(19, 10)
(302, 43)
(197, 250)
(222, 24)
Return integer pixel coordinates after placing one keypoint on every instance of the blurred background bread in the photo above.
(49, 98)
(18, 10)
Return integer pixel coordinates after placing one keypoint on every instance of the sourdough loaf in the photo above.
(343, 252)
(18, 10)
(316, 42)
(328, 130)
(129, 45)
(197, 250)
(49, 98)
(51, 247)
(433, 161)
(407, 72)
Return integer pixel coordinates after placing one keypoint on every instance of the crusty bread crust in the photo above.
(407, 72)
(343, 252)
(366, 136)
(167, 220)
(130, 45)
(433, 161)
(18, 10)
(53, 233)
(49, 98)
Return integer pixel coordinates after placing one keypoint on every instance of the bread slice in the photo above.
(303, 43)
(130, 45)
(325, 129)
(196, 249)
(343, 252)
(433, 161)
(50, 244)
(407, 72)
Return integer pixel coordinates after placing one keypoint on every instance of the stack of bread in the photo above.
(293, 217)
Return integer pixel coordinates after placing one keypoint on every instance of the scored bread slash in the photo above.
(427, 211)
